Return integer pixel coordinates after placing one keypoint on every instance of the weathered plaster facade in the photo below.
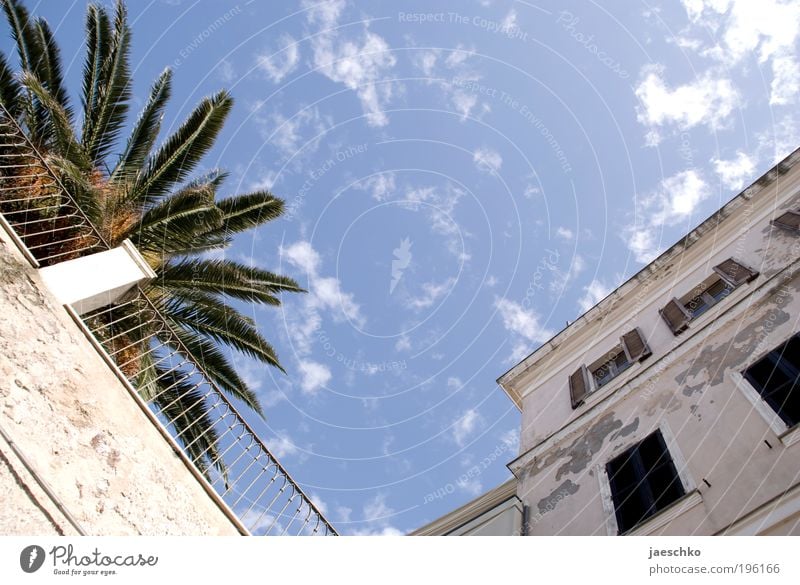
(74, 425)
(738, 463)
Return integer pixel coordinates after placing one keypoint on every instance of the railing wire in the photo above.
(35, 203)
(149, 353)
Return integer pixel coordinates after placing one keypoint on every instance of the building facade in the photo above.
(672, 406)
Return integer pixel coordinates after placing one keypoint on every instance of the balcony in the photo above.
(99, 288)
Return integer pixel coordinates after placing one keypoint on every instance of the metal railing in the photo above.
(35, 203)
(144, 349)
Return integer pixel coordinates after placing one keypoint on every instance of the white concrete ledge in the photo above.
(97, 280)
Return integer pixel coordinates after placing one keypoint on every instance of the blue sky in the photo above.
(462, 179)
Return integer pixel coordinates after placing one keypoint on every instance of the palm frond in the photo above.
(243, 212)
(50, 71)
(185, 409)
(228, 278)
(217, 367)
(98, 42)
(176, 221)
(24, 35)
(10, 89)
(59, 125)
(114, 91)
(145, 131)
(179, 155)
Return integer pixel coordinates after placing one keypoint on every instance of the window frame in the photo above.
(758, 389)
(583, 384)
(691, 496)
(731, 272)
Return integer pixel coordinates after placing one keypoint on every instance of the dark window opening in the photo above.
(776, 377)
(610, 369)
(707, 298)
(643, 482)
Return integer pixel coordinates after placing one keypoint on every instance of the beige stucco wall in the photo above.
(79, 428)
(687, 386)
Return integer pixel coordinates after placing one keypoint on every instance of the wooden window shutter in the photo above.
(734, 273)
(579, 386)
(788, 221)
(675, 315)
(635, 346)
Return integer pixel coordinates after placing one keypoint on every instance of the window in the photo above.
(586, 379)
(708, 296)
(643, 481)
(789, 221)
(609, 368)
(776, 377)
(727, 276)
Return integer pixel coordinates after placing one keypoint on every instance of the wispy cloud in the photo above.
(465, 425)
(674, 201)
(734, 172)
(709, 100)
(277, 65)
(361, 64)
(487, 160)
(524, 326)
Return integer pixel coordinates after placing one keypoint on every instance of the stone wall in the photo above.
(79, 429)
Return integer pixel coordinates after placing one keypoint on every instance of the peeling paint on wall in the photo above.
(549, 502)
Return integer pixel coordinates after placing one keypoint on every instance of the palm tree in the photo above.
(146, 193)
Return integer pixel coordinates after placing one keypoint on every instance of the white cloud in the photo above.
(593, 293)
(487, 160)
(377, 513)
(380, 186)
(281, 445)
(360, 64)
(403, 344)
(454, 383)
(453, 76)
(564, 233)
(431, 292)
(734, 172)
(301, 132)
(325, 297)
(767, 29)
(313, 375)
(709, 100)
(779, 141)
(326, 14)
(524, 326)
(465, 425)
(279, 64)
(303, 255)
(785, 82)
(471, 486)
(675, 200)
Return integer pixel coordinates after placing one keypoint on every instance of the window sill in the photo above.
(791, 436)
(684, 504)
